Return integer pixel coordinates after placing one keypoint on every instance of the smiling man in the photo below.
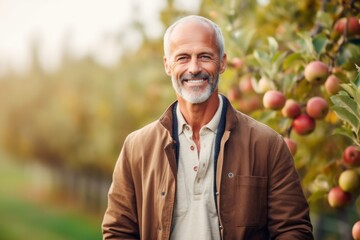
(204, 170)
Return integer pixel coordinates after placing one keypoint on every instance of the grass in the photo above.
(22, 217)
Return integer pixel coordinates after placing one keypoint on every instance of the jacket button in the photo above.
(217, 193)
(230, 175)
(221, 227)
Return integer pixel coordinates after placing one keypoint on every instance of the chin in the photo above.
(196, 98)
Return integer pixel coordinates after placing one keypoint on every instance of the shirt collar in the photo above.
(212, 125)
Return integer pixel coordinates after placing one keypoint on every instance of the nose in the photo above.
(194, 66)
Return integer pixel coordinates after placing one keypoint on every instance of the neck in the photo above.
(198, 115)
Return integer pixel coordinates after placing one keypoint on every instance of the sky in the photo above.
(84, 27)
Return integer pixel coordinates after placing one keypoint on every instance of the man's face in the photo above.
(193, 61)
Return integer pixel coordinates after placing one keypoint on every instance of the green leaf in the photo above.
(349, 88)
(243, 38)
(324, 19)
(308, 46)
(319, 43)
(292, 59)
(347, 116)
(357, 80)
(349, 54)
(344, 131)
(263, 59)
(352, 90)
(346, 102)
(314, 197)
(261, 56)
(273, 45)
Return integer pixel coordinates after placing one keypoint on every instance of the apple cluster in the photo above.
(304, 115)
(348, 185)
(349, 181)
(350, 26)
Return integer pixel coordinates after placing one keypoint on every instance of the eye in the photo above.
(205, 57)
(181, 59)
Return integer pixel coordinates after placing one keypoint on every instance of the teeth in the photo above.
(195, 80)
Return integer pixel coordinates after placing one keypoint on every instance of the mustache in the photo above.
(200, 75)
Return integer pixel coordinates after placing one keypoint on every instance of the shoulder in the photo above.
(149, 131)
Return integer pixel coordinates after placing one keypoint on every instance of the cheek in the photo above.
(177, 69)
(214, 68)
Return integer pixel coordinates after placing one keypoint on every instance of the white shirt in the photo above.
(195, 215)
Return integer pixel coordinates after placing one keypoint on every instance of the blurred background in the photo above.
(77, 76)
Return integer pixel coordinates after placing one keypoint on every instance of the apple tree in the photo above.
(293, 66)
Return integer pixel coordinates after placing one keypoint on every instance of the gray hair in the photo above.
(218, 34)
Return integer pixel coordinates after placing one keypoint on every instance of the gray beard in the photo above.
(195, 96)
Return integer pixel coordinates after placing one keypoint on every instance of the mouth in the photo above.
(195, 82)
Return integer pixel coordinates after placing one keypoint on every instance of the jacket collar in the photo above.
(228, 121)
(166, 119)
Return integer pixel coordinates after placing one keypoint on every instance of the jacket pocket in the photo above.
(251, 201)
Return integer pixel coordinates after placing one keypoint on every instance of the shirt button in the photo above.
(217, 193)
(192, 148)
(198, 180)
(221, 227)
(195, 168)
(230, 175)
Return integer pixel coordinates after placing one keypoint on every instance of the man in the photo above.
(204, 170)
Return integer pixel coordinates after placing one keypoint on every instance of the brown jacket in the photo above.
(259, 195)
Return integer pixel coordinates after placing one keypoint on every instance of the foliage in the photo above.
(79, 115)
(347, 107)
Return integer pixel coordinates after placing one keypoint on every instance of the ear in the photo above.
(223, 63)
(167, 66)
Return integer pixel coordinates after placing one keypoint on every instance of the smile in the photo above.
(195, 82)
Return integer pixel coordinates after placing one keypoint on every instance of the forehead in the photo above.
(192, 34)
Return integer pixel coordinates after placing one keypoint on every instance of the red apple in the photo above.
(317, 107)
(316, 72)
(274, 100)
(236, 62)
(356, 231)
(245, 85)
(338, 198)
(351, 156)
(332, 85)
(303, 124)
(292, 145)
(292, 109)
(353, 27)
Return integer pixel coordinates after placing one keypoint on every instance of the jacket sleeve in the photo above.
(288, 210)
(120, 219)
